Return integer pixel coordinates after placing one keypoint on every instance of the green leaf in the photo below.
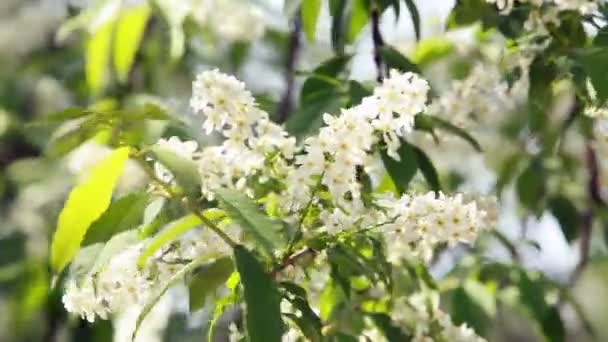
(174, 230)
(532, 294)
(115, 245)
(206, 278)
(432, 49)
(391, 331)
(530, 186)
(85, 204)
(428, 123)
(309, 323)
(262, 298)
(129, 33)
(567, 215)
(65, 115)
(310, 10)
(411, 7)
(175, 18)
(593, 61)
(98, 48)
(404, 170)
(123, 214)
(395, 60)
(266, 231)
(83, 262)
(601, 39)
(184, 170)
(358, 18)
(152, 218)
(425, 164)
(314, 84)
(177, 277)
(320, 94)
(12, 248)
(475, 305)
(356, 92)
(339, 25)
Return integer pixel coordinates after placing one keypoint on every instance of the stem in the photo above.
(286, 104)
(593, 187)
(377, 40)
(189, 205)
(292, 260)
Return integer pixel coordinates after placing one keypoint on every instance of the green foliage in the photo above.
(185, 171)
(566, 213)
(267, 232)
(404, 170)
(263, 317)
(411, 7)
(129, 33)
(206, 279)
(84, 205)
(123, 214)
(321, 93)
(310, 15)
(395, 60)
(99, 46)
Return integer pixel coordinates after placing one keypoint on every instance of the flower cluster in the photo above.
(324, 173)
(482, 96)
(582, 6)
(346, 143)
(419, 223)
(250, 135)
(115, 288)
(233, 20)
(122, 283)
(546, 13)
(421, 311)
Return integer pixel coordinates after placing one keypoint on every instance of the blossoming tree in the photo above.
(320, 219)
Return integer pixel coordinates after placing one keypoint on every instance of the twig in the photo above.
(595, 199)
(286, 103)
(293, 259)
(377, 40)
(190, 206)
(586, 229)
(593, 187)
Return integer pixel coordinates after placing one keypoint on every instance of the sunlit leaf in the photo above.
(310, 15)
(98, 48)
(85, 204)
(129, 33)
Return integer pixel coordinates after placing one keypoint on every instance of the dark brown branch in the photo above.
(586, 230)
(286, 104)
(594, 193)
(293, 259)
(594, 188)
(378, 41)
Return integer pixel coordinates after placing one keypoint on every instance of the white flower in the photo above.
(233, 20)
(423, 221)
(234, 334)
(81, 299)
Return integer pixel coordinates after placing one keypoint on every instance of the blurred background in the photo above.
(57, 54)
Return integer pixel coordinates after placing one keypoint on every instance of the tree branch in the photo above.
(377, 40)
(286, 104)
